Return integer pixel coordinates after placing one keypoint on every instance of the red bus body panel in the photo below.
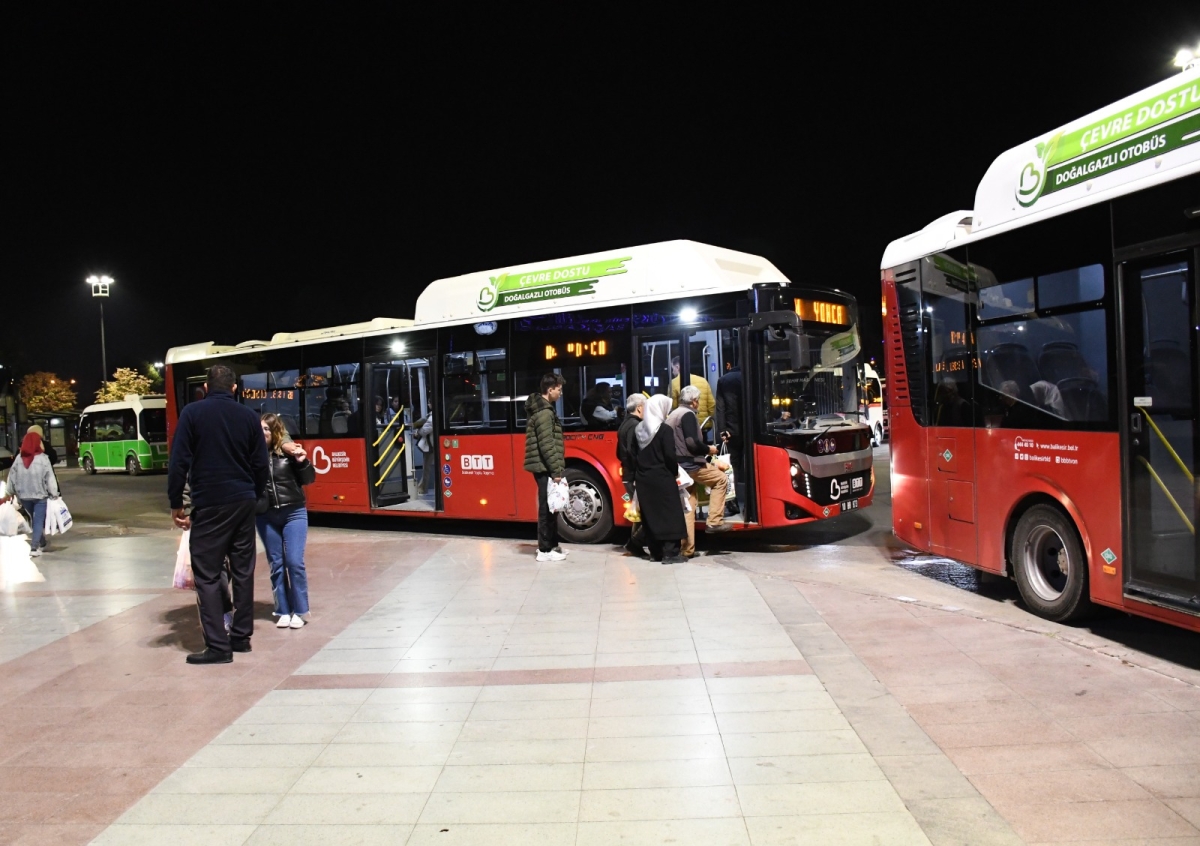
(774, 480)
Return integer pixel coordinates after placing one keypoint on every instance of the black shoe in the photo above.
(716, 528)
(675, 559)
(210, 656)
(241, 645)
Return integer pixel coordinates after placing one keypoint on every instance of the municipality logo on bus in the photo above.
(1141, 132)
(528, 286)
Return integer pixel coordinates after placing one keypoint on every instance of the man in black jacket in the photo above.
(627, 454)
(219, 448)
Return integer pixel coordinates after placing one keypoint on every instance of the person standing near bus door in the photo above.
(545, 458)
(627, 455)
(729, 425)
(219, 447)
(656, 481)
(691, 452)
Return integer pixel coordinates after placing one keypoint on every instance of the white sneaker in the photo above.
(34, 553)
(285, 620)
(552, 555)
(564, 553)
(297, 622)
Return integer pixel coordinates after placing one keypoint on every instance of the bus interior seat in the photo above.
(1082, 399)
(340, 423)
(1062, 360)
(289, 425)
(1169, 370)
(1012, 362)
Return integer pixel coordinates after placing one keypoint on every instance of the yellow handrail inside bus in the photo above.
(398, 416)
(1167, 444)
(384, 474)
(383, 453)
(1163, 486)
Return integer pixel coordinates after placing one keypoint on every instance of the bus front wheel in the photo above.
(89, 465)
(588, 517)
(1049, 565)
(132, 465)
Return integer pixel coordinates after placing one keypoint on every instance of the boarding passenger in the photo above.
(691, 453)
(707, 407)
(627, 454)
(655, 480)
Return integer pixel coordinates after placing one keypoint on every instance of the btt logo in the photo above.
(477, 462)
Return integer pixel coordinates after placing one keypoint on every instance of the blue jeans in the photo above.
(284, 532)
(37, 517)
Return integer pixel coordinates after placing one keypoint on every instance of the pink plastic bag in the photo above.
(183, 563)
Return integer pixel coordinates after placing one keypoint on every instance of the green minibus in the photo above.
(130, 435)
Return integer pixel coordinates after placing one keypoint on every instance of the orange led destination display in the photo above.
(577, 349)
(822, 312)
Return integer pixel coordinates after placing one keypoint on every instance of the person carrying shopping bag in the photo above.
(283, 522)
(31, 479)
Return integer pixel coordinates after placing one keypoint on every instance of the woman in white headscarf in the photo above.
(655, 475)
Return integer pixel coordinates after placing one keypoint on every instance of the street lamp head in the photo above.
(158, 365)
(100, 284)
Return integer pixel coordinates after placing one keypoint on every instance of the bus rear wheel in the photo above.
(132, 466)
(588, 517)
(877, 435)
(1049, 565)
(89, 465)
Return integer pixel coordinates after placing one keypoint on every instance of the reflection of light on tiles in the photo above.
(16, 567)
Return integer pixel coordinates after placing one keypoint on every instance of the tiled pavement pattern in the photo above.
(453, 690)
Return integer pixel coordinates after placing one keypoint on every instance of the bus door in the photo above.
(1160, 426)
(387, 433)
(951, 435)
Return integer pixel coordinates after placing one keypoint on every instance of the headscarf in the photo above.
(654, 414)
(31, 447)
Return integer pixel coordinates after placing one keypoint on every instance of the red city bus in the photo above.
(426, 417)
(1042, 366)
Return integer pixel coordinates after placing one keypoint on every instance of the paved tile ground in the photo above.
(452, 690)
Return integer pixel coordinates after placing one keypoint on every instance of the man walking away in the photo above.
(627, 454)
(219, 447)
(545, 458)
(692, 454)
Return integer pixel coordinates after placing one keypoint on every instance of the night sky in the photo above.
(246, 169)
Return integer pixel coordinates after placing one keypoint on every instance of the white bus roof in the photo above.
(131, 401)
(667, 270)
(1146, 138)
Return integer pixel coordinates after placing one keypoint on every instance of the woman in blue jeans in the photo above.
(283, 523)
(31, 480)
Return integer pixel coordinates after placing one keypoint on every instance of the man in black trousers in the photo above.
(219, 446)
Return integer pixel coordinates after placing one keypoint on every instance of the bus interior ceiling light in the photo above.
(687, 315)
(397, 346)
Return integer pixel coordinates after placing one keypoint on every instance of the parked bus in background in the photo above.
(873, 403)
(130, 435)
(361, 397)
(1042, 365)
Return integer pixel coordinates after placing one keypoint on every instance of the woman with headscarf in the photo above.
(32, 481)
(655, 477)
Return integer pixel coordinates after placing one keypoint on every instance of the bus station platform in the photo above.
(449, 689)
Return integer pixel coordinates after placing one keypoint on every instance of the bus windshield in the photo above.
(810, 374)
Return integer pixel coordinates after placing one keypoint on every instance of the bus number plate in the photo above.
(850, 505)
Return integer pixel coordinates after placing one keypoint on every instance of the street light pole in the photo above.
(100, 285)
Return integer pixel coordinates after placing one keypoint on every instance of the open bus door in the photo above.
(1160, 426)
(398, 444)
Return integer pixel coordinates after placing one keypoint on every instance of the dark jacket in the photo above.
(657, 491)
(219, 444)
(691, 452)
(544, 452)
(286, 479)
(729, 406)
(627, 446)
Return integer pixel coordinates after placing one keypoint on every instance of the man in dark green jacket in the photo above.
(545, 459)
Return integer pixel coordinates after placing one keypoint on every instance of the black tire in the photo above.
(132, 467)
(89, 465)
(1049, 565)
(588, 517)
(877, 435)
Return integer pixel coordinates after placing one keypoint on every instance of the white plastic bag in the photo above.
(724, 463)
(58, 517)
(12, 522)
(683, 479)
(557, 495)
(183, 563)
